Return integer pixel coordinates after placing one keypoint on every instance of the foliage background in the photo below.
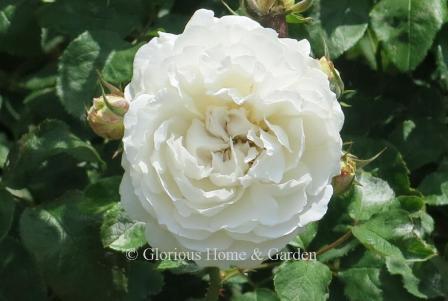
(62, 233)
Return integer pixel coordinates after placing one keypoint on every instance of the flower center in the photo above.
(233, 128)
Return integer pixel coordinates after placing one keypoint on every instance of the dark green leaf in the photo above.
(260, 294)
(339, 24)
(77, 80)
(6, 212)
(118, 68)
(42, 79)
(4, 149)
(64, 237)
(120, 16)
(433, 275)
(367, 47)
(20, 279)
(144, 281)
(429, 136)
(441, 53)
(390, 166)
(49, 139)
(435, 187)
(19, 31)
(407, 28)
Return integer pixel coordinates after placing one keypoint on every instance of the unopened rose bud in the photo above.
(259, 8)
(336, 83)
(105, 117)
(347, 178)
(272, 13)
(299, 7)
(344, 181)
(263, 8)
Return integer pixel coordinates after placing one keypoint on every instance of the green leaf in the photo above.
(390, 166)
(144, 281)
(367, 278)
(388, 234)
(77, 80)
(44, 104)
(20, 278)
(7, 205)
(377, 233)
(64, 237)
(49, 139)
(371, 196)
(339, 251)
(120, 16)
(339, 24)
(302, 280)
(362, 283)
(118, 68)
(177, 266)
(416, 249)
(260, 294)
(429, 136)
(398, 266)
(433, 275)
(441, 53)
(42, 79)
(411, 203)
(367, 47)
(407, 29)
(435, 187)
(172, 23)
(303, 239)
(120, 233)
(4, 149)
(19, 31)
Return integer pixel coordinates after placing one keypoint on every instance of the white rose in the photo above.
(231, 139)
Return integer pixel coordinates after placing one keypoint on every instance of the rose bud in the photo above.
(272, 13)
(349, 164)
(105, 117)
(336, 83)
(271, 7)
(343, 182)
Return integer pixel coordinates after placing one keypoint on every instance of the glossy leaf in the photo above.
(77, 81)
(407, 28)
(302, 280)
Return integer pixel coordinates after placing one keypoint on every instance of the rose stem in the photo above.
(335, 244)
(276, 22)
(215, 284)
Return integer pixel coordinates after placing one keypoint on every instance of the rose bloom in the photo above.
(231, 139)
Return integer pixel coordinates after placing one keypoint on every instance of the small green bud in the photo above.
(105, 117)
